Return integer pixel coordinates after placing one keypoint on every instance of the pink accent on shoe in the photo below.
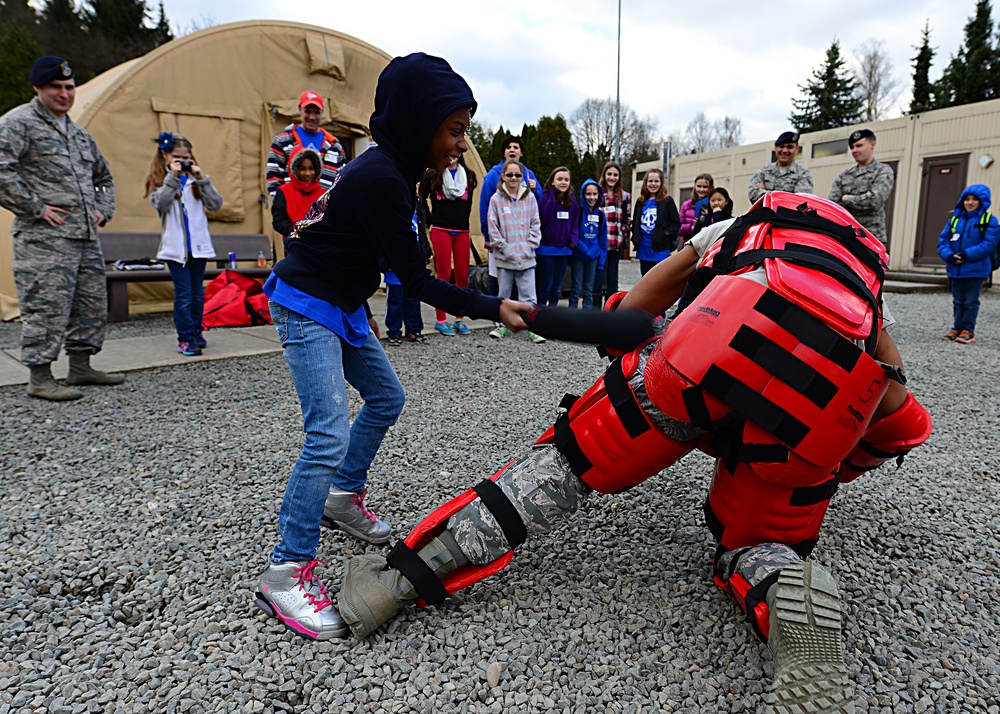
(306, 576)
(358, 500)
(293, 624)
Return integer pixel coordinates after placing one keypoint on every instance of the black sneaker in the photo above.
(395, 341)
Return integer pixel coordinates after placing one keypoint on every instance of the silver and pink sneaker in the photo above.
(294, 594)
(347, 511)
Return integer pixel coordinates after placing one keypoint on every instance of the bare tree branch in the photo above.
(878, 88)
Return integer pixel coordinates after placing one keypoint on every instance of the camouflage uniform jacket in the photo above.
(863, 192)
(40, 165)
(794, 179)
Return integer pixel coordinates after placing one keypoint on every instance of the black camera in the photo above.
(186, 166)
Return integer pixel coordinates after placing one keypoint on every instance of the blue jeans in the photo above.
(646, 265)
(401, 309)
(583, 282)
(189, 297)
(965, 298)
(606, 281)
(549, 273)
(335, 453)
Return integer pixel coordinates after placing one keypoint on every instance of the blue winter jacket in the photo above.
(968, 239)
(593, 240)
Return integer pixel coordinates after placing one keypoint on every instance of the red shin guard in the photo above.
(889, 438)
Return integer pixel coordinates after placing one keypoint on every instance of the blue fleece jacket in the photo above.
(967, 239)
(367, 213)
(593, 240)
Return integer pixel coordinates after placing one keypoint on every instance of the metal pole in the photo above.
(618, 92)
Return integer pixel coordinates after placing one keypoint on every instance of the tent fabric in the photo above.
(230, 89)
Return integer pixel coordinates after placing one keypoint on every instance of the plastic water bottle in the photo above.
(261, 260)
(232, 261)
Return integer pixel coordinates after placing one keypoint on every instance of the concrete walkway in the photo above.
(133, 353)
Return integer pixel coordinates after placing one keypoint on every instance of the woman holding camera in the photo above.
(181, 194)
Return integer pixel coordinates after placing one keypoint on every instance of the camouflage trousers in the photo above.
(62, 294)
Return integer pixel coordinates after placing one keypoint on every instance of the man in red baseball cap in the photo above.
(305, 133)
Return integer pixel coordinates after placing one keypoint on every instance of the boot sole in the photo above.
(271, 611)
(810, 675)
(335, 526)
(49, 396)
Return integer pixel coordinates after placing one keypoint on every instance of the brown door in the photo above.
(942, 181)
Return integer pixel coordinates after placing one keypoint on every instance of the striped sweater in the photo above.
(281, 150)
(515, 229)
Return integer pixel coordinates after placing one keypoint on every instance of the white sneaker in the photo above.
(537, 339)
(500, 331)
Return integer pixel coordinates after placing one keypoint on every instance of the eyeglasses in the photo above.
(513, 175)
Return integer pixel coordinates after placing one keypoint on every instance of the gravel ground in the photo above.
(136, 521)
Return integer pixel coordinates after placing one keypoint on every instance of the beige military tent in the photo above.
(230, 89)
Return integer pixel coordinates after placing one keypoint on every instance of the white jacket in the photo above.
(173, 245)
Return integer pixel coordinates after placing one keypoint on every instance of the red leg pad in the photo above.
(434, 523)
(889, 438)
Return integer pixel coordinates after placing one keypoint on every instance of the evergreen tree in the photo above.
(969, 76)
(496, 152)
(528, 132)
(923, 88)
(553, 146)
(831, 96)
(162, 32)
(17, 53)
(588, 168)
(481, 138)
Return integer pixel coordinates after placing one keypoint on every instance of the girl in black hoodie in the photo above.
(331, 267)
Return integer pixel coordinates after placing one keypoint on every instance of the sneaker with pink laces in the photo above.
(292, 593)
(347, 511)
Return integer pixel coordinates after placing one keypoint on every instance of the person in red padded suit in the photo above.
(795, 388)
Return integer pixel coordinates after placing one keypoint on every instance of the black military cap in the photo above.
(859, 135)
(49, 69)
(787, 137)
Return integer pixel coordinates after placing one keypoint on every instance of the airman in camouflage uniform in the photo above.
(56, 182)
(785, 174)
(864, 188)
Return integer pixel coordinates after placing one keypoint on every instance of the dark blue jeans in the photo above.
(401, 309)
(606, 281)
(549, 273)
(583, 282)
(189, 297)
(965, 298)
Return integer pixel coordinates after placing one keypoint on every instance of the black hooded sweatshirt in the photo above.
(369, 209)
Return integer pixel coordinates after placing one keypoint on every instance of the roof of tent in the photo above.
(229, 89)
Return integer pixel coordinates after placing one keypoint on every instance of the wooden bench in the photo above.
(137, 246)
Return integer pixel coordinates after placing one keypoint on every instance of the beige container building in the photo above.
(230, 89)
(934, 156)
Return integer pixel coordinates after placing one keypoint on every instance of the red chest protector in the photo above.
(814, 254)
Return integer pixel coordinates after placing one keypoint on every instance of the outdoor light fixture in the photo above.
(985, 161)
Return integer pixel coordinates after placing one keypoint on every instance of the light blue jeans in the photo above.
(335, 453)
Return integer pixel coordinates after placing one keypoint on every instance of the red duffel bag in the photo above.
(234, 300)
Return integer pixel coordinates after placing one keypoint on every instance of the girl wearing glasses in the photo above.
(515, 232)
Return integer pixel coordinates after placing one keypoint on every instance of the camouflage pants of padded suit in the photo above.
(62, 294)
(545, 491)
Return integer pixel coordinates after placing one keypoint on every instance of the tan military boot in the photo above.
(43, 385)
(80, 372)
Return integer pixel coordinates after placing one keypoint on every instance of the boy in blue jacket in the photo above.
(591, 249)
(965, 244)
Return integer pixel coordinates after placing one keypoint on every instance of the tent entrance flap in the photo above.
(214, 132)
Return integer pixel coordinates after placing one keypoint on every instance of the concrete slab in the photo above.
(134, 353)
(902, 286)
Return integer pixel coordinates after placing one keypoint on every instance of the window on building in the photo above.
(830, 148)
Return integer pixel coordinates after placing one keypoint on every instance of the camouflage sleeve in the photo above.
(104, 183)
(15, 195)
(877, 195)
(837, 191)
(753, 190)
(804, 184)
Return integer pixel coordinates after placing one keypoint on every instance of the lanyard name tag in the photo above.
(562, 215)
(593, 219)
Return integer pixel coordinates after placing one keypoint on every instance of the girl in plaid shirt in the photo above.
(618, 209)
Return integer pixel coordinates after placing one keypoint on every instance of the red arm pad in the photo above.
(889, 438)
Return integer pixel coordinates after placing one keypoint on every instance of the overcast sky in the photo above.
(543, 57)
